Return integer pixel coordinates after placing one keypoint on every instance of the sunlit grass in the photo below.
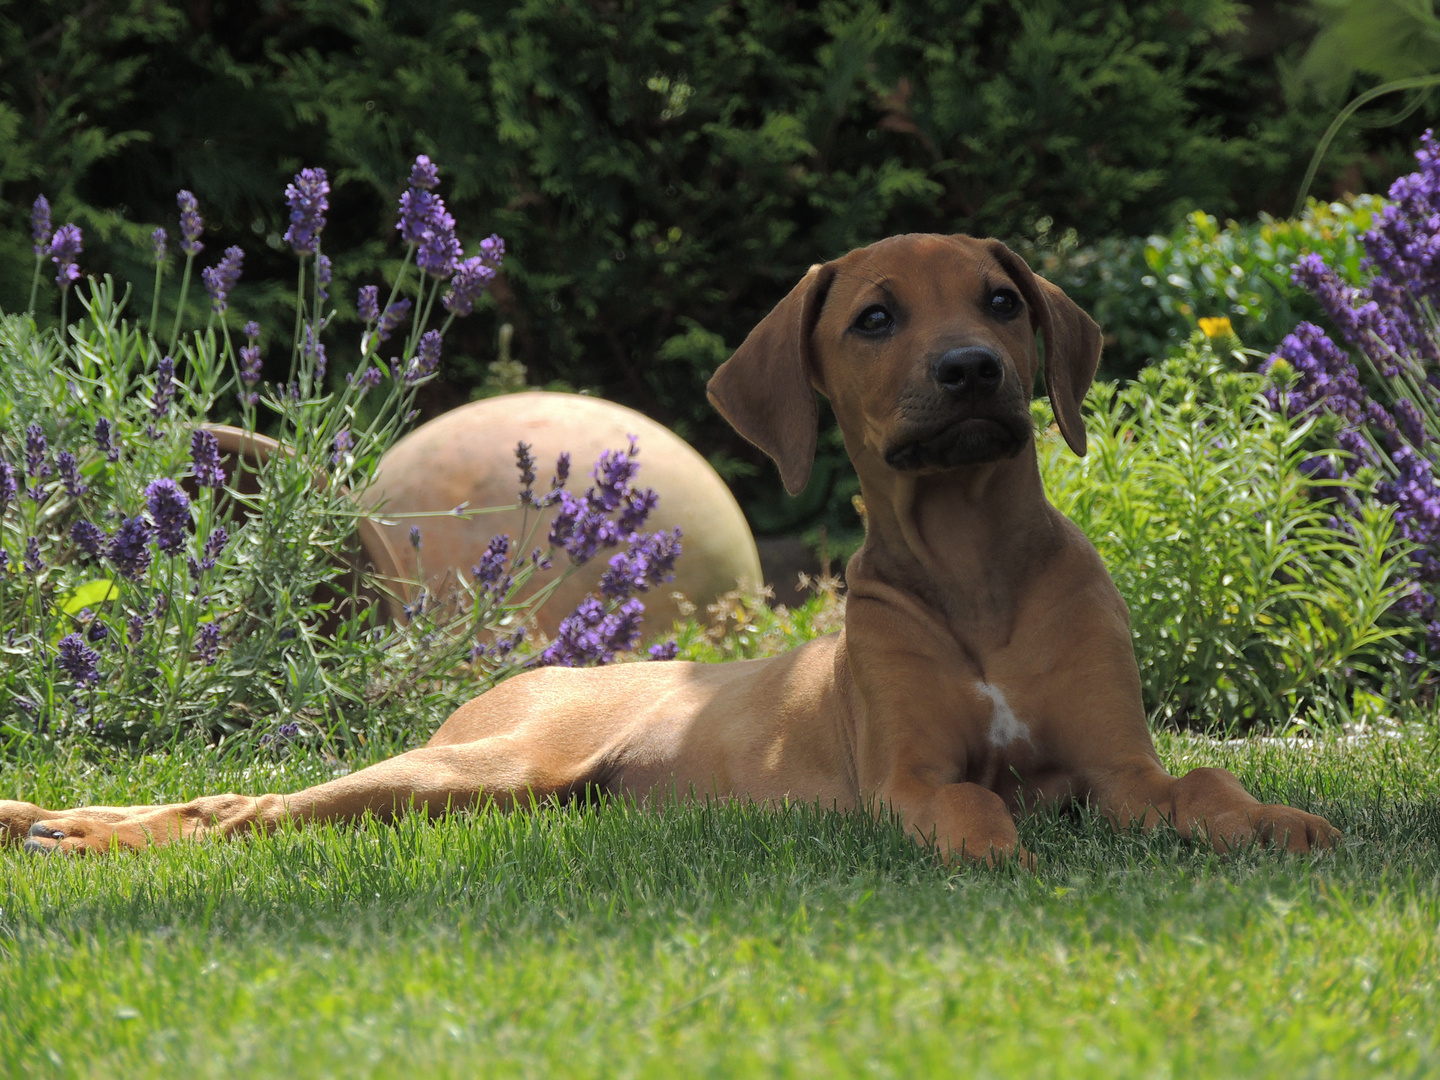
(731, 940)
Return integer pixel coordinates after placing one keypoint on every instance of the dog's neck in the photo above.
(968, 540)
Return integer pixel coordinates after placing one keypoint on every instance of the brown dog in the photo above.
(986, 661)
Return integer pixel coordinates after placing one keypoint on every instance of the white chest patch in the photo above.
(1005, 727)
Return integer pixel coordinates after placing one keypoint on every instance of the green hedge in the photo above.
(661, 171)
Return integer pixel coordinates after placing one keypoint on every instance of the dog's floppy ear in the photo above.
(1072, 343)
(765, 388)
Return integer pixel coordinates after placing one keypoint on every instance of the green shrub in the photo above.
(663, 172)
(1150, 294)
(1249, 597)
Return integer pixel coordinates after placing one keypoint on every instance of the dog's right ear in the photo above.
(766, 390)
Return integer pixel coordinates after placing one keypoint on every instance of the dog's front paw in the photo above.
(1281, 826)
(75, 834)
(16, 819)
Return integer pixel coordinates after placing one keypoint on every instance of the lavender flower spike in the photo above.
(424, 175)
(191, 225)
(88, 537)
(40, 226)
(309, 198)
(105, 440)
(170, 511)
(323, 270)
(78, 660)
(221, 278)
(425, 224)
(129, 548)
(36, 449)
(368, 303)
(158, 241)
(205, 457)
(393, 317)
(9, 484)
(164, 387)
(471, 279)
(64, 246)
(207, 643)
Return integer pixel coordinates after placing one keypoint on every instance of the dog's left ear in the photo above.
(1072, 343)
(766, 388)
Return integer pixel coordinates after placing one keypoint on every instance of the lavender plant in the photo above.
(150, 587)
(1383, 425)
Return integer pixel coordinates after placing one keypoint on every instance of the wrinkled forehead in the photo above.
(919, 269)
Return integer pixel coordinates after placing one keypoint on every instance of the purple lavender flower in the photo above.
(309, 198)
(170, 511)
(36, 448)
(393, 317)
(471, 279)
(97, 632)
(425, 224)
(164, 387)
(525, 462)
(343, 444)
(415, 537)
(424, 175)
(64, 247)
(250, 368)
(105, 440)
(34, 561)
(207, 643)
(205, 459)
(214, 544)
(323, 270)
(490, 573)
(492, 250)
(4, 560)
(591, 636)
(221, 279)
(370, 378)
(314, 351)
(665, 650)
(40, 226)
(283, 733)
(78, 660)
(1410, 422)
(70, 474)
(9, 484)
(649, 560)
(368, 303)
(439, 252)
(191, 227)
(159, 240)
(427, 357)
(135, 628)
(88, 537)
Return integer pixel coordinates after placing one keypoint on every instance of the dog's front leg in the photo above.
(432, 779)
(960, 821)
(1209, 804)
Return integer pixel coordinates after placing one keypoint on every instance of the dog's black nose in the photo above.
(973, 369)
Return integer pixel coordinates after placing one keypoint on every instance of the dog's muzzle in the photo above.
(962, 418)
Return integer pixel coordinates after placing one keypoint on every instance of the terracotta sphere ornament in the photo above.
(467, 457)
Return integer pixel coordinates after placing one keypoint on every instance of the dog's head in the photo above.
(925, 346)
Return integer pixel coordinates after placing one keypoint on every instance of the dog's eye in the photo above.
(1004, 303)
(874, 319)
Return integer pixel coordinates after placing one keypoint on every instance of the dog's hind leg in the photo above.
(432, 779)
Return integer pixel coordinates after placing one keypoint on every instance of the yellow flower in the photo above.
(1217, 327)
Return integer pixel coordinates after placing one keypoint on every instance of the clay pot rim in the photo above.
(253, 447)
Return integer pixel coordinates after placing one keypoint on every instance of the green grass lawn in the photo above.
(727, 940)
